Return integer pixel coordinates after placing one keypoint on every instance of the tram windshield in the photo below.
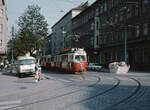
(80, 58)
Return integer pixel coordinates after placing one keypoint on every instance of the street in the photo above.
(65, 91)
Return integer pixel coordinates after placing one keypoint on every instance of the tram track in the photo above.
(138, 92)
(70, 93)
(51, 98)
(94, 96)
(130, 99)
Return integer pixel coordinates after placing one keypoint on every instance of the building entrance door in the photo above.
(131, 55)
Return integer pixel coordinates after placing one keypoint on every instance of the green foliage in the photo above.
(33, 31)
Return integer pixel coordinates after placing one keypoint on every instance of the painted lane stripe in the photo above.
(7, 107)
(10, 102)
(63, 80)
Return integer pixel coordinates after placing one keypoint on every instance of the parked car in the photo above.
(94, 66)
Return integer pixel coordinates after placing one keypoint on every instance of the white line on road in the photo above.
(9, 104)
(6, 107)
(63, 80)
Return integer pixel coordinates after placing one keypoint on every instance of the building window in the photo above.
(112, 36)
(0, 43)
(101, 10)
(91, 41)
(145, 5)
(146, 56)
(122, 36)
(121, 16)
(97, 40)
(116, 36)
(97, 25)
(116, 18)
(129, 12)
(1, 12)
(105, 6)
(104, 39)
(146, 1)
(145, 29)
(116, 2)
(97, 12)
(137, 31)
(111, 3)
(136, 10)
(1, 28)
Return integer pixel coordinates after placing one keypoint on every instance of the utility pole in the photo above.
(125, 44)
(12, 53)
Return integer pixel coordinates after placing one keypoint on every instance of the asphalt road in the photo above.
(66, 91)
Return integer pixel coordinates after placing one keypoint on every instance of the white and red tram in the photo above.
(74, 60)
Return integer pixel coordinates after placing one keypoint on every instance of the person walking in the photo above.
(37, 72)
(1, 65)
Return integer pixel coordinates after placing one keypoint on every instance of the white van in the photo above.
(25, 65)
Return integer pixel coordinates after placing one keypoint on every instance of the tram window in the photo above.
(70, 57)
(80, 58)
(77, 58)
(48, 59)
(63, 58)
(52, 59)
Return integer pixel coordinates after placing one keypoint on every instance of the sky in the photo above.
(53, 10)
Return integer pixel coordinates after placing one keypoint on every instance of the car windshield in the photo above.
(26, 61)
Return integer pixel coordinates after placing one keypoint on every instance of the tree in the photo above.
(33, 30)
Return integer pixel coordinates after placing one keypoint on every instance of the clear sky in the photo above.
(53, 10)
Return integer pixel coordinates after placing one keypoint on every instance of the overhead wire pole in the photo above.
(125, 44)
(126, 27)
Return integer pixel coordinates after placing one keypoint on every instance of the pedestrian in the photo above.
(1, 65)
(37, 72)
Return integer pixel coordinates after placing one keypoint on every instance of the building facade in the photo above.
(110, 31)
(86, 25)
(62, 31)
(3, 29)
(125, 32)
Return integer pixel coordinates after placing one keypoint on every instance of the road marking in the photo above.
(7, 107)
(63, 80)
(9, 104)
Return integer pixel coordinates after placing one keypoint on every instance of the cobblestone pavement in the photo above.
(88, 91)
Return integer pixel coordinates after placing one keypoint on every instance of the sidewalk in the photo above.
(139, 73)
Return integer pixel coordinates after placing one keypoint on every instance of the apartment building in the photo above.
(125, 32)
(86, 25)
(112, 30)
(3, 29)
(62, 30)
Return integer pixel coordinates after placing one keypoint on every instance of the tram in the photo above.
(73, 60)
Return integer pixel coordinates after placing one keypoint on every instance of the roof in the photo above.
(81, 7)
(88, 8)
